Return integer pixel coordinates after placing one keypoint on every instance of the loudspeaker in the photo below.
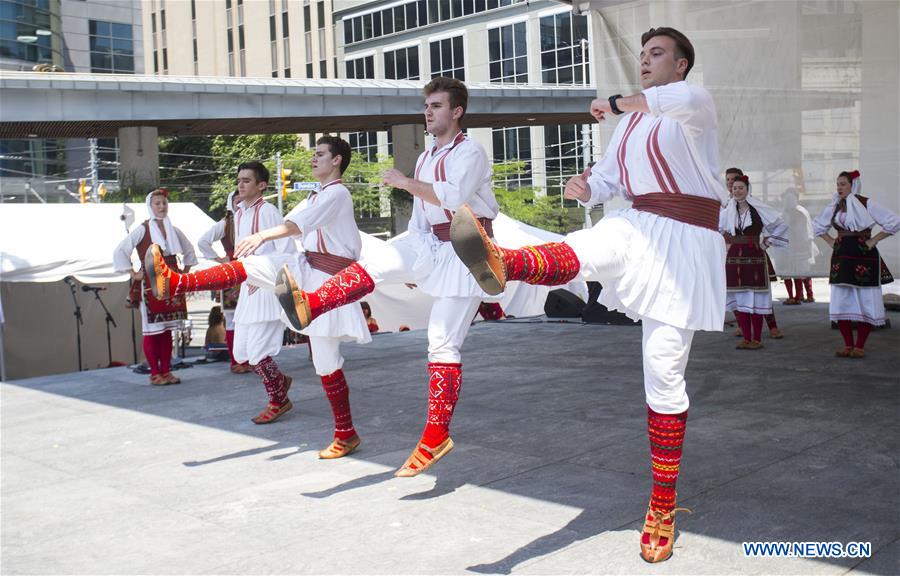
(595, 313)
(561, 303)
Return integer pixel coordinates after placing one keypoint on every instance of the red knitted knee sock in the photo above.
(789, 285)
(846, 329)
(273, 380)
(443, 391)
(348, 285)
(666, 433)
(743, 320)
(335, 386)
(150, 353)
(549, 264)
(756, 321)
(862, 333)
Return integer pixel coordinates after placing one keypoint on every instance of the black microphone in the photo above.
(86, 288)
(70, 280)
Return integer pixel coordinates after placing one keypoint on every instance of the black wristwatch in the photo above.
(612, 105)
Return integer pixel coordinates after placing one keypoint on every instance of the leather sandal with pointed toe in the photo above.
(171, 378)
(658, 535)
(158, 380)
(844, 352)
(776, 334)
(418, 462)
(477, 251)
(858, 353)
(292, 299)
(155, 267)
(340, 448)
(272, 413)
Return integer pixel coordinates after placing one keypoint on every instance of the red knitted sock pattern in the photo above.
(443, 392)
(229, 339)
(215, 278)
(335, 386)
(798, 288)
(549, 264)
(770, 321)
(348, 285)
(272, 379)
(862, 334)
(807, 282)
(666, 433)
(846, 329)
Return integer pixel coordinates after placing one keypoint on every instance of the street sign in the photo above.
(306, 186)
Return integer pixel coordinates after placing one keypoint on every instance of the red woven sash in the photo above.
(328, 263)
(442, 231)
(686, 208)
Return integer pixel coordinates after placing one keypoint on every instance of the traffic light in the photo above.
(101, 190)
(285, 182)
(83, 190)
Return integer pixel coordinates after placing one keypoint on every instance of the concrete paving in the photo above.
(104, 474)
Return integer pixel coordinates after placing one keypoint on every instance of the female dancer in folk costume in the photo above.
(857, 270)
(659, 261)
(795, 263)
(743, 222)
(223, 231)
(331, 242)
(158, 316)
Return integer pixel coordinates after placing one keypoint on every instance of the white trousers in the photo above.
(450, 318)
(665, 349)
(326, 354)
(256, 340)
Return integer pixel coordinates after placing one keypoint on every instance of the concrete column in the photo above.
(139, 157)
(409, 142)
(879, 141)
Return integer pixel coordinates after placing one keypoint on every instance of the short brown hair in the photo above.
(337, 147)
(733, 170)
(260, 172)
(456, 91)
(683, 46)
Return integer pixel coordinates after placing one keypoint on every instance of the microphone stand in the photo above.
(109, 320)
(78, 323)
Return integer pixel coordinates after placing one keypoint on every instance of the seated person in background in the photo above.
(367, 313)
(215, 335)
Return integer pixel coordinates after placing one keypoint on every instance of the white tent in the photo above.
(40, 244)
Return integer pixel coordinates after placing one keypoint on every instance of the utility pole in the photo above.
(585, 128)
(278, 182)
(95, 194)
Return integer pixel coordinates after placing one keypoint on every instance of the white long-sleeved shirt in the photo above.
(326, 222)
(460, 173)
(211, 236)
(673, 149)
(888, 221)
(261, 305)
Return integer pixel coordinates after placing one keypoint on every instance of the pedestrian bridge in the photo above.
(59, 105)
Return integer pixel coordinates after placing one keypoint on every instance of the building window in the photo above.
(323, 68)
(514, 145)
(507, 53)
(361, 68)
(414, 14)
(561, 51)
(447, 58)
(364, 145)
(112, 48)
(402, 64)
(564, 155)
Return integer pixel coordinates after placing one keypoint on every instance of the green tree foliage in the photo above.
(528, 204)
